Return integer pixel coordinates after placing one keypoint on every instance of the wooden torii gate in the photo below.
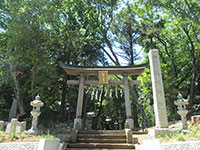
(103, 73)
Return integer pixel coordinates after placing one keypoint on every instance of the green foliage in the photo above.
(181, 137)
(1, 139)
(12, 136)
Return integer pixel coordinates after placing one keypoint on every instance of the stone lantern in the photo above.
(37, 104)
(108, 123)
(90, 119)
(120, 122)
(181, 103)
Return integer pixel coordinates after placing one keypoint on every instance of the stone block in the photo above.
(65, 138)
(49, 144)
(161, 132)
(148, 144)
(128, 136)
(140, 138)
(74, 133)
(2, 125)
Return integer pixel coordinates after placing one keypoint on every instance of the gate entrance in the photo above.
(103, 73)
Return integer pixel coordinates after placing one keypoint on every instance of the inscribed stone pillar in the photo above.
(13, 125)
(129, 118)
(80, 102)
(158, 90)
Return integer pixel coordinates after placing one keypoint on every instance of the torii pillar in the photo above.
(129, 118)
(158, 90)
(79, 107)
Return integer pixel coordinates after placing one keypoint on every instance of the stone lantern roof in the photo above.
(37, 102)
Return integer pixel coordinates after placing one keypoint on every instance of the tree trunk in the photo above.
(135, 97)
(70, 106)
(135, 116)
(14, 74)
(101, 97)
(62, 106)
(194, 64)
(85, 108)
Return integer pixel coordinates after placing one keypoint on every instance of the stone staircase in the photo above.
(101, 140)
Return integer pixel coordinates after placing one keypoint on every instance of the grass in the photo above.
(46, 136)
(193, 135)
(12, 136)
(23, 137)
(2, 132)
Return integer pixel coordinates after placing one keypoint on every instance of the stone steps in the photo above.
(139, 132)
(101, 145)
(94, 149)
(102, 136)
(101, 132)
(92, 140)
(101, 140)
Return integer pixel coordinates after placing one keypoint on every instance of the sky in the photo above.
(117, 50)
(122, 61)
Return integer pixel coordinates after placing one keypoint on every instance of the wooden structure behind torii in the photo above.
(103, 73)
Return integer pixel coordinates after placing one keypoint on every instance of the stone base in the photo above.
(78, 123)
(32, 131)
(130, 123)
(161, 132)
(148, 144)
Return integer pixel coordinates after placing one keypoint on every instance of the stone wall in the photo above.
(19, 146)
(191, 145)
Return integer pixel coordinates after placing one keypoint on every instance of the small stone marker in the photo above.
(21, 127)
(8, 128)
(1, 125)
(13, 110)
(13, 125)
(195, 119)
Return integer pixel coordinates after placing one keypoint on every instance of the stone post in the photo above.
(158, 90)
(129, 118)
(80, 102)
(13, 125)
(1, 125)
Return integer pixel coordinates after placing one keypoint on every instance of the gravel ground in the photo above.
(19, 146)
(192, 145)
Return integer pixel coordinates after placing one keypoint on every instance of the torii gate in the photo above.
(103, 73)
